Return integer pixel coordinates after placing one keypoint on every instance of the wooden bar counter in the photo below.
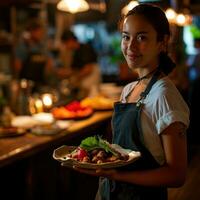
(14, 148)
(28, 169)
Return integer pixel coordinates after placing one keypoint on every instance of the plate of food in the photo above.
(93, 153)
(11, 131)
(51, 129)
(98, 103)
(72, 111)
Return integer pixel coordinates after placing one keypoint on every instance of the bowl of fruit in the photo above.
(73, 110)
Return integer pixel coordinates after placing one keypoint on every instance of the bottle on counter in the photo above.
(6, 117)
(23, 96)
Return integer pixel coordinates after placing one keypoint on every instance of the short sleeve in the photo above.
(170, 117)
(170, 107)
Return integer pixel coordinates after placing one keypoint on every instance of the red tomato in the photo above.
(73, 106)
(81, 153)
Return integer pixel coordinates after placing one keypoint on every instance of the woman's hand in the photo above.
(108, 173)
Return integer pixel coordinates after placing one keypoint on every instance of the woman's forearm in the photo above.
(163, 176)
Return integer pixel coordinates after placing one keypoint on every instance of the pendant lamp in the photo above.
(130, 6)
(73, 6)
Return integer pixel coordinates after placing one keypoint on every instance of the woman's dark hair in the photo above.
(157, 18)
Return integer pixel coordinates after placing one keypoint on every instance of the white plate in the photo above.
(43, 118)
(48, 130)
(23, 121)
(27, 121)
(60, 154)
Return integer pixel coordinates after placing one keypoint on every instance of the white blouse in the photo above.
(162, 106)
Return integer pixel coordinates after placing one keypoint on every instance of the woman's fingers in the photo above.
(96, 172)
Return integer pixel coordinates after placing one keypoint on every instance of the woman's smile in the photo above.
(133, 57)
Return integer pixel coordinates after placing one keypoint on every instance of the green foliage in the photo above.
(116, 55)
(90, 143)
(95, 142)
(195, 31)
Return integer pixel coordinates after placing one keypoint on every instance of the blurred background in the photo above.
(97, 25)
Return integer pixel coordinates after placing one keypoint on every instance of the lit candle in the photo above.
(38, 105)
(32, 107)
(47, 100)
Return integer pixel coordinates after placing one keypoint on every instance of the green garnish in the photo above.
(95, 142)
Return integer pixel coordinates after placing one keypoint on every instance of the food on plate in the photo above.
(72, 110)
(98, 102)
(97, 151)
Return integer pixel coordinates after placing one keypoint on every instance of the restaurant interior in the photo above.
(39, 116)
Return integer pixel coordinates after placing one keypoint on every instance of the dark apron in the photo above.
(128, 134)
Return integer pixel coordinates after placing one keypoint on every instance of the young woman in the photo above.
(151, 116)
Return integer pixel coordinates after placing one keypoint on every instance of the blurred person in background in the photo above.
(79, 64)
(32, 61)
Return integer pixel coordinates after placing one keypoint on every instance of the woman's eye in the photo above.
(141, 38)
(125, 37)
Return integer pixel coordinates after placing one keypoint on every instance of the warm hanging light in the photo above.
(183, 19)
(180, 19)
(73, 6)
(100, 6)
(128, 7)
(171, 15)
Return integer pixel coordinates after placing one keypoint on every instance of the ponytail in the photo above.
(166, 64)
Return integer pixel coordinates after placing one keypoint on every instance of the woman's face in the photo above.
(139, 43)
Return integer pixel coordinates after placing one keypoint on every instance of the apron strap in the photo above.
(140, 142)
(148, 88)
(152, 81)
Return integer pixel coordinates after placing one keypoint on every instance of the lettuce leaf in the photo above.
(90, 143)
(95, 142)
